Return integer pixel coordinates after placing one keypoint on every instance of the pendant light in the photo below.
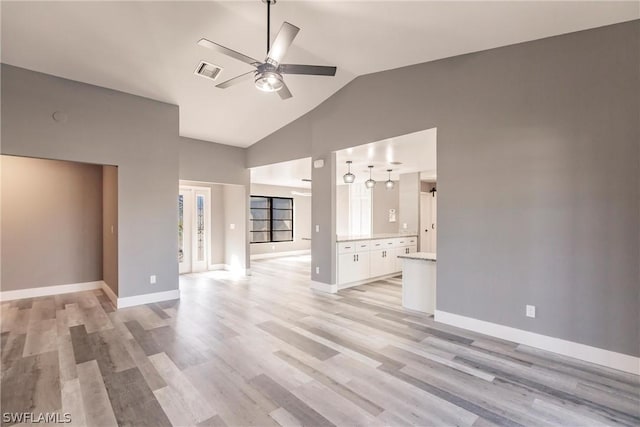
(370, 183)
(349, 177)
(389, 184)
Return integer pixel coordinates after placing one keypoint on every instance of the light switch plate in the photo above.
(531, 311)
(152, 279)
(232, 226)
(317, 228)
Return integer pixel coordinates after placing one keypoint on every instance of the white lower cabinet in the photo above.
(361, 260)
(403, 251)
(353, 267)
(382, 262)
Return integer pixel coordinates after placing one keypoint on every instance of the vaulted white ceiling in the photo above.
(149, 48)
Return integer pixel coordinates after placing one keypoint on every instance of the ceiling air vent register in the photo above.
(209, 71)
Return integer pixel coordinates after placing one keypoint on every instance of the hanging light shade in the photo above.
(370, 183)
(389, 184)
(349, 177)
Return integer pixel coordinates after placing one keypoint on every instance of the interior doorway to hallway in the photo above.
(194, 229)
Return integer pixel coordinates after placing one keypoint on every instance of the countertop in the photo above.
(373, 237)
(423, 256)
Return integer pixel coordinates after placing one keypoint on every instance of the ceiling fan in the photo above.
(268, 74)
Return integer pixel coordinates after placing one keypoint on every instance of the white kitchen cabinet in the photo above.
(409, 249)
(361, 260)
(380, 262)
(353, 267)
(363, 266)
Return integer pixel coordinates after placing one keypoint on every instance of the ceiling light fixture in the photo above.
(389, 184)
(370, 183)
(349, 177)
(269, 81)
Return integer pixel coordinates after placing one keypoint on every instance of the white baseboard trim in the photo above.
(281, 254)
(610, 359)
(110, 294)
(148, 298)
(50, 290)
(214, 267)
(324, 287)
(370, 280)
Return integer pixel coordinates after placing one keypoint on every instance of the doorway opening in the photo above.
(194, 229)
(385, 213)
(280, 218)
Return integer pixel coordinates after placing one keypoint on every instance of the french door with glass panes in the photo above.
(194, 229)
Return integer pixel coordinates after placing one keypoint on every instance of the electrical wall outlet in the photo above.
(317, 270)
(531, 311)
(152, 279)
(404, 226)
(317, 228)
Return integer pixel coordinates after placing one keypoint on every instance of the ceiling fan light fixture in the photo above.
(269, 81)
(389, 184)
(348, 177)
(370, 183)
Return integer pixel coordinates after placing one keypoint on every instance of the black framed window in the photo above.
(271, 219)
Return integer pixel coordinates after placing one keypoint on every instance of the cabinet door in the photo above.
(397, 262)
(362, 266)
(378, 264)
(391, 260)
(346, 268)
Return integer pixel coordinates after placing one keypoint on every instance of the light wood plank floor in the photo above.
(265, 350)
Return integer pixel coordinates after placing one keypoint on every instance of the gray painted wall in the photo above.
(207, 162)
(342, 210)
(110, 227)
(301, 220)
(426, 186)
(213, 163)
(551, 129)
(51, 223)
(138, 135)
(323, 216)
(409, 203)
(382, 201)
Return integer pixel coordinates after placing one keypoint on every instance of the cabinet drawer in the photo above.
(401, 242)
(411, 241)
(362, 246)
(377, 244)
(346, 247)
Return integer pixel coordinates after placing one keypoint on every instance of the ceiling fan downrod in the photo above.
(269, 2)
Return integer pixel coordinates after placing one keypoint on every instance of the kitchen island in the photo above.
(419, 281)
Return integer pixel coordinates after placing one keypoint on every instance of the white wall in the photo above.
(301, 219)
(235, 201)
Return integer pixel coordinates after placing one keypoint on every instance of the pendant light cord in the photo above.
(268, 26)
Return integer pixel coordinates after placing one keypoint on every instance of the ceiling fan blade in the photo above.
(284, 92)
(282, 42)
(229, 52)
(236, 80)
(311, 70)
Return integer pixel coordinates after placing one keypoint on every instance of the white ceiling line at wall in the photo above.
(285, 174)
(414, 152)
(149, 48)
